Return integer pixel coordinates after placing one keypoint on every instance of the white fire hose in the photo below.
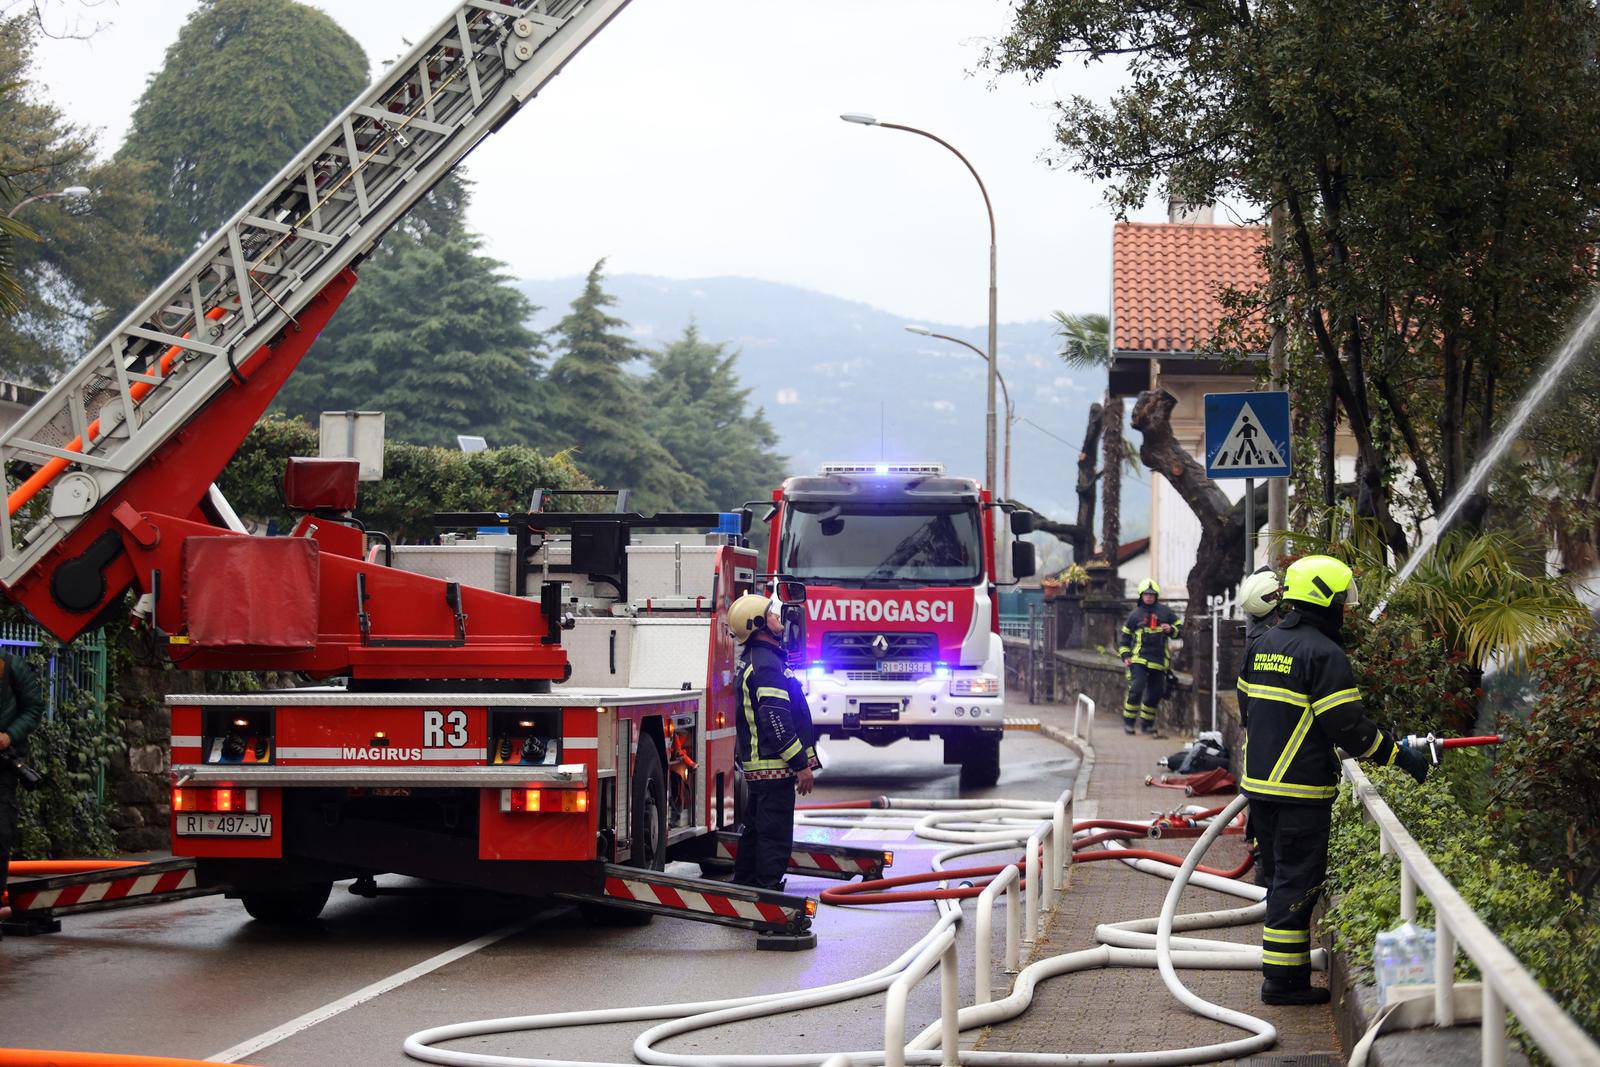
(973, 827)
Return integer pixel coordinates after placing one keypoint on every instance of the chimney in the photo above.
(1181, 211)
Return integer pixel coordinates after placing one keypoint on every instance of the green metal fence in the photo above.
(72, 672)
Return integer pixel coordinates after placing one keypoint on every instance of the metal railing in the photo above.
(1083, 711)
(1016, 626)
(1048, 857)
(1507, 985)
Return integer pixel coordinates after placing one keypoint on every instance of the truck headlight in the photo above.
(975, 685)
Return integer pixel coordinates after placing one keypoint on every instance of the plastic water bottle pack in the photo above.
(1403, 956)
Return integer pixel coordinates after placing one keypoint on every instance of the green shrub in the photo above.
(67, 817)
(1410, 680)
(1545, 925)
(418, 480)
(1546, 793)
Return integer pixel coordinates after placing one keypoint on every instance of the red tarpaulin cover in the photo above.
(251, 592)
(311, 482)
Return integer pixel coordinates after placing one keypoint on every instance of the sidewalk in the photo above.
(1128, 1010)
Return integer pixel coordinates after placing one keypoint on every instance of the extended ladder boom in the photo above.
(251, 278)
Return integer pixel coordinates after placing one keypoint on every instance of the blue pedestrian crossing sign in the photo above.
(1247, 435)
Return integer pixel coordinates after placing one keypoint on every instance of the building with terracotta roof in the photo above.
(1167, 286)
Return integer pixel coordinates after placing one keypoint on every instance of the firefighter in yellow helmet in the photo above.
(1143, 649)
(1303, 704)
(774, 742)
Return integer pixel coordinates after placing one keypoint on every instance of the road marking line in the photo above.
(366, 993)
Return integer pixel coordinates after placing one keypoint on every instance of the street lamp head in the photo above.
(859, 119)
(75, 191)
(920, 331)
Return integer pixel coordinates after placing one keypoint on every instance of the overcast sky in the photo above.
(700, 137)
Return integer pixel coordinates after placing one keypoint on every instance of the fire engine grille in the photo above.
(879, 676)
(863, 650)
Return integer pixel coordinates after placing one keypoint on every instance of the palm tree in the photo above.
(1085, 340)
(1487, 595)
(11, 231)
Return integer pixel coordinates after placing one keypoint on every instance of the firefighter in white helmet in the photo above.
(1259, 596)
(775, 745)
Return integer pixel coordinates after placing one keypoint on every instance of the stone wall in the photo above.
(138, 786)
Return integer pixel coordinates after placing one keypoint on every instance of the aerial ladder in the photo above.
(152, 413)
(449, 727)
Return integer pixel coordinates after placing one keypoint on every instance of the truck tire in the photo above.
(287, 907)
(647, 830)
(980, 762)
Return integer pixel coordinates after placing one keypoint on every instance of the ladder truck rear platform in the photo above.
(545, 710)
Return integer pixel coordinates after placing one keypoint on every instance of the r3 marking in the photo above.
(433, 729)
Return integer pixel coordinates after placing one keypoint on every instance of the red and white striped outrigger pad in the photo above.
(133, 884)
(823, 864)
(684, 899)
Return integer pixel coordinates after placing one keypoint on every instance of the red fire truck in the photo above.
(543, 709)
(902, 633)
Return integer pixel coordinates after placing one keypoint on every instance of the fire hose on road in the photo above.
(972, 828)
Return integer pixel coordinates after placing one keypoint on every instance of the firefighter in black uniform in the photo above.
(1303, 702)
(775, 744)
(1259, 596)
(22, 708)
(1143, 649)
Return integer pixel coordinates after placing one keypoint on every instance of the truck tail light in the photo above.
(551, 801)
(223, 800)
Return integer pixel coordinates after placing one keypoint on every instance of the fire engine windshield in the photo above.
(854, 543)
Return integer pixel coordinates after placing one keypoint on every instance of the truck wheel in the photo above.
(980, 763)
(287, 907)
(647, 829)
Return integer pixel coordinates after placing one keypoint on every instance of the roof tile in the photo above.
(1166, 280)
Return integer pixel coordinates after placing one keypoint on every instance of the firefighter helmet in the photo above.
(747, 615)
(1320, 580)
(1149, 585)
(1259, 593)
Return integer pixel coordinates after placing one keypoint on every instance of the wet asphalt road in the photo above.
(197, 978)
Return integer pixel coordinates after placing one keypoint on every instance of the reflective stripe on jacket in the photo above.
(1142, 640)
(1302, 702)
(773, 736)
(1252, 632)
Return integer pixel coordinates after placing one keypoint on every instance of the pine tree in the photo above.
(599, 409)
(245, 86)
(434, 335)
(699, 414)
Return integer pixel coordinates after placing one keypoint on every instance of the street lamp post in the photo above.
(994, 303)
(74, 191)
(1011, 412)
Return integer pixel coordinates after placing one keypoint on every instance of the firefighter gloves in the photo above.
(1412, 762)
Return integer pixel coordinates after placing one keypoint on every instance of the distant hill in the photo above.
(841, 380)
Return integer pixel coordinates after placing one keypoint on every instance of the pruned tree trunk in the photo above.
(1087, 476)
(1111, 478)
(1220, 557)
